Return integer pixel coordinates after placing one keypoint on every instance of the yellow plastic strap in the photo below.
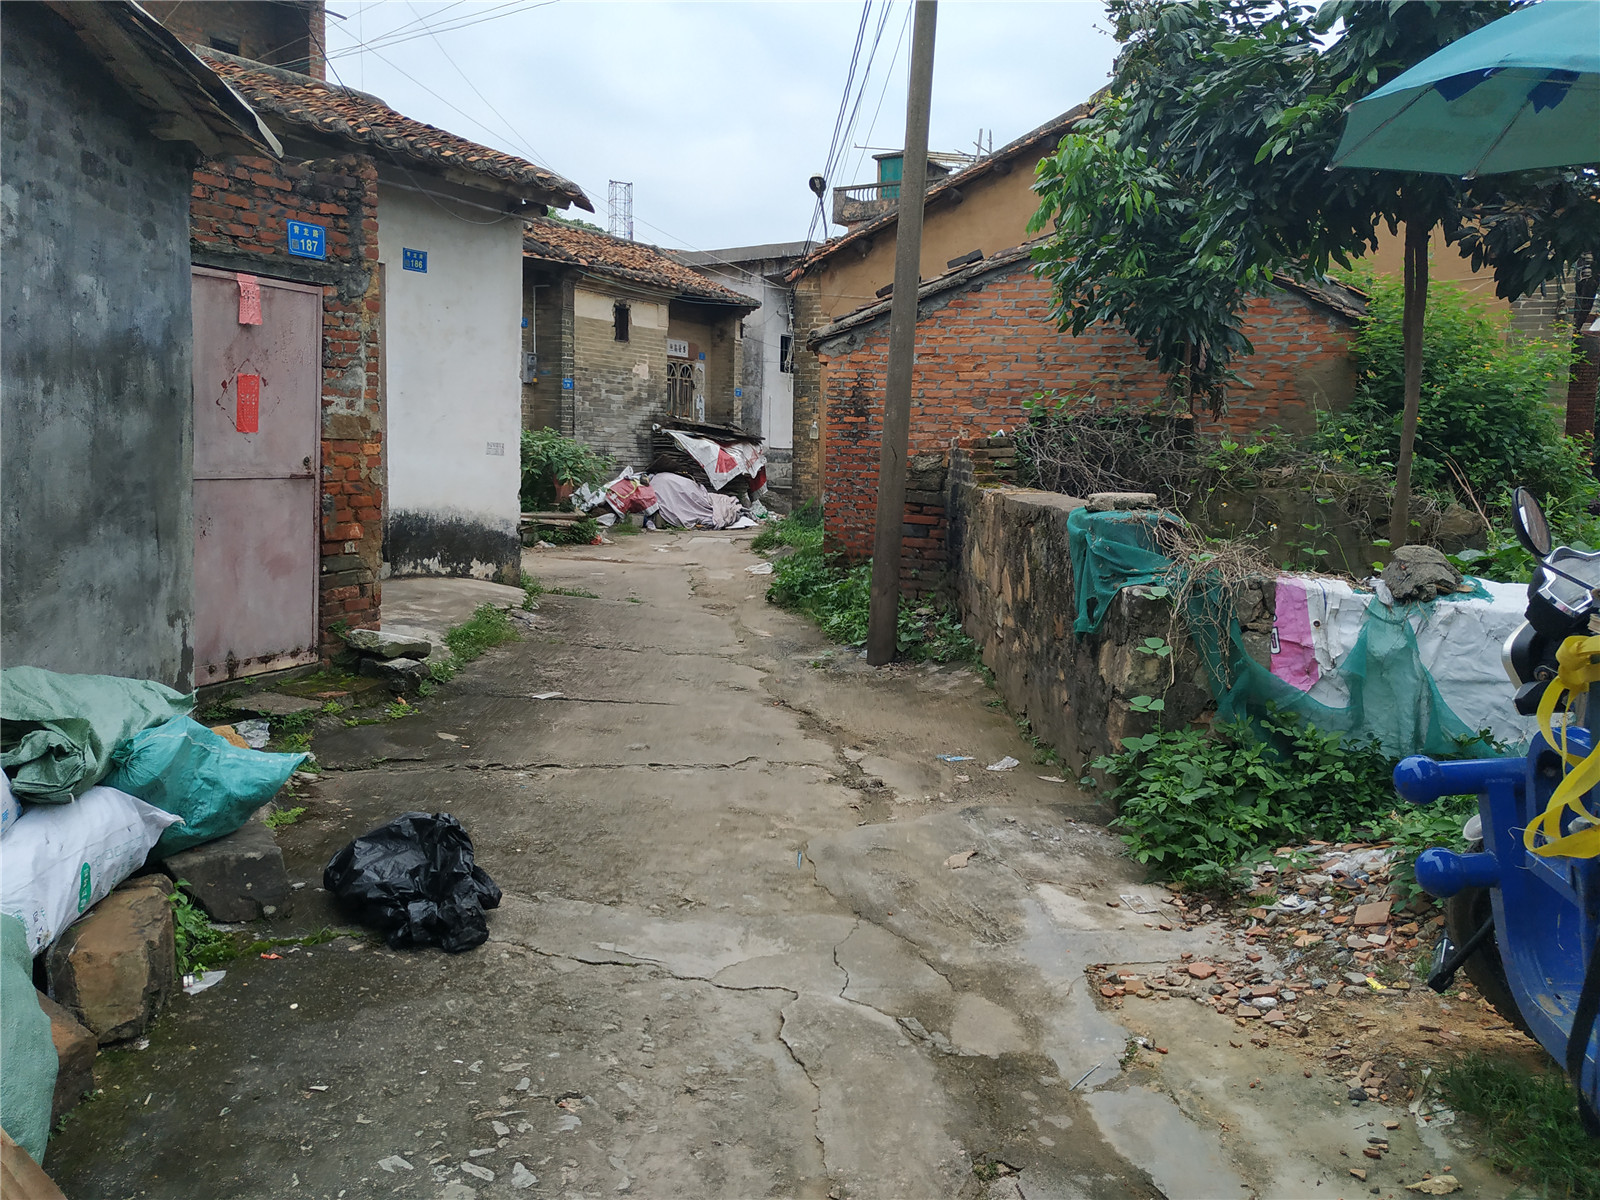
(1578, 666)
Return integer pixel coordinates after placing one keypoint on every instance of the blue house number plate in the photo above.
(308, 241)
(414, 260)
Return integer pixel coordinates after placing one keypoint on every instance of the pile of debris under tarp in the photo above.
(112, 796)
(701, 477)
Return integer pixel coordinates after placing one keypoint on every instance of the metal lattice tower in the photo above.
(619, 206)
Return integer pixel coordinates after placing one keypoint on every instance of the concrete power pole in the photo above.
(883, 615)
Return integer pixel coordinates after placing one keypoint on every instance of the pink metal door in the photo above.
(257, 454)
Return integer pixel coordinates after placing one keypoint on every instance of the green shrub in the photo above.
(1485, 423)
(549, 459)
(1193, 804)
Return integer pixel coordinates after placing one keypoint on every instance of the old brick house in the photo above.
(618, 334)
(769, 341)
(986, 343)
(385, 253)
(105, 115)
(979, 210)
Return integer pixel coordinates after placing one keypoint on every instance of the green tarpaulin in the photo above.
(57, 731)
(1392, 699)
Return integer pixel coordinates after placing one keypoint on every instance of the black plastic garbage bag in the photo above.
(414, 880)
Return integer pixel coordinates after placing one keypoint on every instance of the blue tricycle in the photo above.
(1522, 913)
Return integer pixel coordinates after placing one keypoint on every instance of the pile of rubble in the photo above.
(1321, 922)
(398, 657)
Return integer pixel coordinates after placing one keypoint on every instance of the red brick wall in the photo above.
(993, 346)
(239, 213)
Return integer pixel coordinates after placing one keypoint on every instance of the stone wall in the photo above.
(1012, 574)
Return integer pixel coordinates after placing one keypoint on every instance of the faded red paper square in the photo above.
(249, 300)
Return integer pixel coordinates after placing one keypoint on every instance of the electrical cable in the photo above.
(838, 121)
(887, 79)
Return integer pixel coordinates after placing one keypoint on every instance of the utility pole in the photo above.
(883, 615)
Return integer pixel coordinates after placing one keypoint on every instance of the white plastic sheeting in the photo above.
(1458, 643)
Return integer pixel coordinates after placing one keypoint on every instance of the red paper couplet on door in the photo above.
(247, 415)
(249, 300)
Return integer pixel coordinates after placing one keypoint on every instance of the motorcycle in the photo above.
(1522, 904)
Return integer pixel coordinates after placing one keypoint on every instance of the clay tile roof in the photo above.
(364, 119)
(634, 262)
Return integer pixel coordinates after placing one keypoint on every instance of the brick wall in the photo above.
(280, 35)
(239, 210)
(983, 350)
(614, 403)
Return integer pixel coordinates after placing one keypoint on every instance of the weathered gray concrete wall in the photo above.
(1014, 586)
(97, 539)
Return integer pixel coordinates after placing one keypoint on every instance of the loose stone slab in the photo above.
(1121, 501)
(274, 704)
(386, 644)
(234, 878)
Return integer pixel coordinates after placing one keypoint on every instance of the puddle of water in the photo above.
(1149, 1130)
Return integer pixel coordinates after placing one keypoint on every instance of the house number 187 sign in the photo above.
(308, 241)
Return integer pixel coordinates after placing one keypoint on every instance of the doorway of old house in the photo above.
(257, 459)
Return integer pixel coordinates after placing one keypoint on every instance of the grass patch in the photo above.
(580, 593)
(282, 818)
(267, 945)
(200, 946)
(1529, 1121)
(801, 529)
(838, 597)
(532, 589)
(487, 628)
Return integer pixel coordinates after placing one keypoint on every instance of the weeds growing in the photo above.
(487, 628)
(282, 818)
(1529, 1123)
(199, 945)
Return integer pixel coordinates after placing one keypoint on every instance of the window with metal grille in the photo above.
(680, 388)
(786, 354)
(619, 317)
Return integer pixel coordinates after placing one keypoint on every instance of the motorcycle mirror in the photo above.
(1533, 531)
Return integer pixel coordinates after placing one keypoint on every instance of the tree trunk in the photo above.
(1416, 302)
(1584, 373)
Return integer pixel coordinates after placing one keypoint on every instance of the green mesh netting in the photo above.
(1392, 697)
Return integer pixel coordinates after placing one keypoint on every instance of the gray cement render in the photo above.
(97, 543)
(731, 960)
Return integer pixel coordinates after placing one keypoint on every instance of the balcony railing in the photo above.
(864, 202)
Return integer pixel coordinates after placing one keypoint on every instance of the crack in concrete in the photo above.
(842, 968)
(403, 766)
(634, 960)
(544, 697)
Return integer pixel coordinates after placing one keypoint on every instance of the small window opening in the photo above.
(619, 317)
(225, 44)
(786, 354)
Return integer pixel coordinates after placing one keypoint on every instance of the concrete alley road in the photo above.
(734, 957)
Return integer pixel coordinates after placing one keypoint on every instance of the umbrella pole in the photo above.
(1416, 300)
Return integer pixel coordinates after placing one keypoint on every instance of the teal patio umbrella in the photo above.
(1521, 92)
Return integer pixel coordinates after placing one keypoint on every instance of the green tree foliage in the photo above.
(1486, 424)
(1222, 119)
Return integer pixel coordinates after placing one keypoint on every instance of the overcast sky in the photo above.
(717, 113)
